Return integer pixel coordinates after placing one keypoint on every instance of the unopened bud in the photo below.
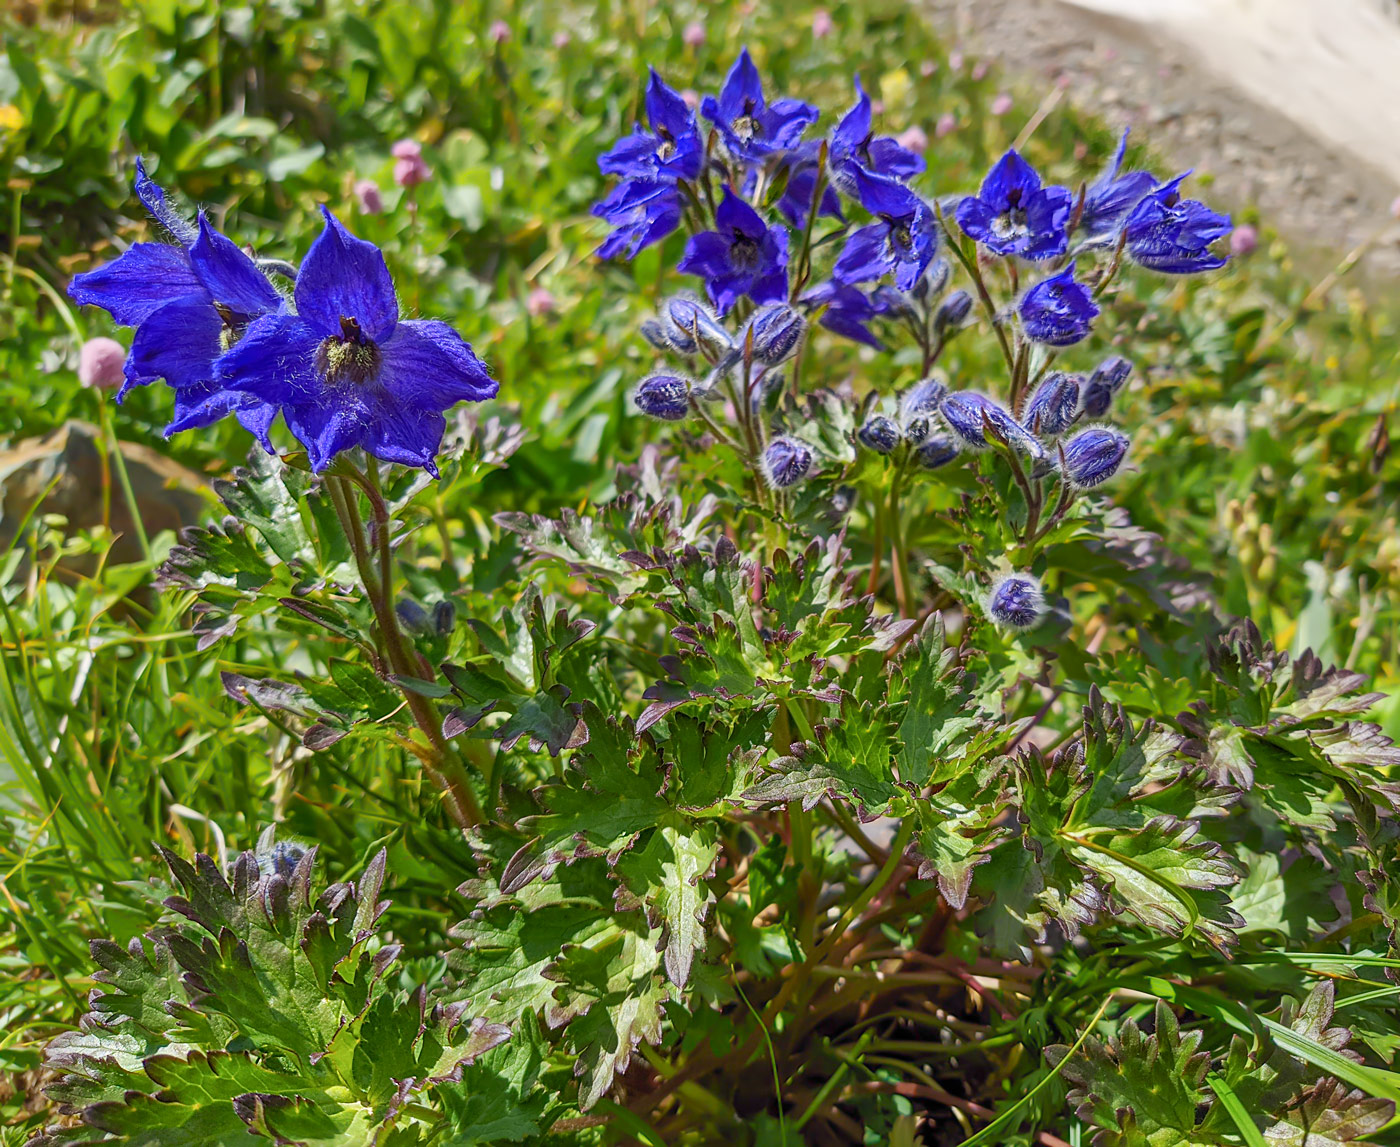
(952, 312)
(970, 416)
(1106, 381)
(786, 462)
(664, 396)
(879, 434)
(937, 451)
(776, 331)
(921, 399)
(1093, 456)
(413, 616)
(1016, 602)
(691, 319)
(1054, 405)
(444, 617)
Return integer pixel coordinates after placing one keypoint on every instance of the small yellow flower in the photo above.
(11, 118)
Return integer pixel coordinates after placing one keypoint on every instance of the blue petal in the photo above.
(888, 157)
(865, 256)
(1011, 172)
(428, 364)
(207, 403)
(326, 425)
(705, 254)
(153, 199)
(740, 86)
(734, 215)
(229, 275)
(409, 436)
(881, 195)
(633, 156)
(178, 343)
(140, 280)
(854, 127)
(345, 276)
(273, 361)
(666, 108)
(785, 121)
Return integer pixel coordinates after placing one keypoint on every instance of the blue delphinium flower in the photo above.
(189, 301)
(664, 396)
(1173, 235)
(853, 143)
(901, 242)
(742, 256)
(1093, 456)
(1106, 381)
(671, 150)
(1110, 198)
(752, 128)
(1054, 405)
(970, 415)
(1016, 602)
(1058, 311)
(1014, 215)
(786, 462)
(880, 434)
(346, 370)
(848, 311)
(640, 212)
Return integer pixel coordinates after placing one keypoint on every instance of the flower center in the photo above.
(349, 356)
(743, 253)
(747, 125)
(229, 332)
(901, 238)
(1011, 224)
(667, 147)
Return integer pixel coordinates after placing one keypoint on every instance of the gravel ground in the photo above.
(1324, 200)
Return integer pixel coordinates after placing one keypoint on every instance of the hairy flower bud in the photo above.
(690, 319)
(970, 415)
(1093, 456)
(1053, 406)
(1106, 381)
(1016, 602)
(952, 312)
(921, 399)
(413, 616)
(934, 281)
(664, 396)
(444, 617)
(776, 330)
(879, 434)
(786, 462)
(937, 451)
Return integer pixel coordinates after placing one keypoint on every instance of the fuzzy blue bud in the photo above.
(664, 396)
(952, 312)
(879, 434)
(1054, 405)
(934, 281)
(667, 338)
(444, 617)
(413, 616)
(786, 462)
(892, 301)
(937, 451)
(970, 415)
(776, 330)
(921, 399)
(1093, 456)
(281, 860)
(1106, 381)
(1016, 602)
(688, 318)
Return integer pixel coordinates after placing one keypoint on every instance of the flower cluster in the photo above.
(330, 355)
(752, 192)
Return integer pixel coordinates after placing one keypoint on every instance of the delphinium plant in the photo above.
(857, 773)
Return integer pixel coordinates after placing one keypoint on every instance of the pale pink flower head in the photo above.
(1001, 104)
(367, 197)
(927, 68)
(410, 169)
(562, 40)
(1395, 207)
(979, 70)
(100, 363)
(694, 34)
(539, 302)
(691, 97)
(1243, 240)
(955, 61)
(499, 32)
(913, 139)
(947, 124)
(822, 24)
